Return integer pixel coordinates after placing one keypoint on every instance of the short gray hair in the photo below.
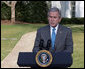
(54, 9)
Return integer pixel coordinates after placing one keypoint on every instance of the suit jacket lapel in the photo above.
(58, 35)
(48, 32)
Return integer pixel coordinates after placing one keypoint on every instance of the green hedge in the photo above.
(20, 11)
(72, 21)
(5, 12)
(34, 11)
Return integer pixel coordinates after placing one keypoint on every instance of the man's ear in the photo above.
(60, 19)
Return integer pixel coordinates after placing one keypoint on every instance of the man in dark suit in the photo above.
(60, 36)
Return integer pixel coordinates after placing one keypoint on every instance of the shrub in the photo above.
(5, 12)
(20, 11)
(72, 21)
(34, 11)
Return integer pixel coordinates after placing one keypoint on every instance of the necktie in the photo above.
(53, 37)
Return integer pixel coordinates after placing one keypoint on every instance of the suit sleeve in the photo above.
(69, 42)
(37, 41)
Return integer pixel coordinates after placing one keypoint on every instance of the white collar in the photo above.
(55, 28)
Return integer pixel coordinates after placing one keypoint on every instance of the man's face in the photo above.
(54, 18)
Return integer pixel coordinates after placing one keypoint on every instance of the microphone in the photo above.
(48, 44)
(41, 44)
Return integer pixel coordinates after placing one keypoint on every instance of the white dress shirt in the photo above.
(55, 30)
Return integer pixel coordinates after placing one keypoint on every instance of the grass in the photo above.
(78, 50)
(16, 31)
(9, 32)
(78, 47)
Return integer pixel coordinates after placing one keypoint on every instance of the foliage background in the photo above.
(33, 12)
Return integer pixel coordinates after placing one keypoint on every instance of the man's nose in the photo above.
(52, 19)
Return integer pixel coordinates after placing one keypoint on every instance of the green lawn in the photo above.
(10, 32)
(78, 47)
(10, 35)
(78, 54)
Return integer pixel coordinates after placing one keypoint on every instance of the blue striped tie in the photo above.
(53, 37)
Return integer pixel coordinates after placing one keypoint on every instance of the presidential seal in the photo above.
(43, 58)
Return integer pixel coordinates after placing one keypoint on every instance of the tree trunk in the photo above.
(12, 12)
(12, 5)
